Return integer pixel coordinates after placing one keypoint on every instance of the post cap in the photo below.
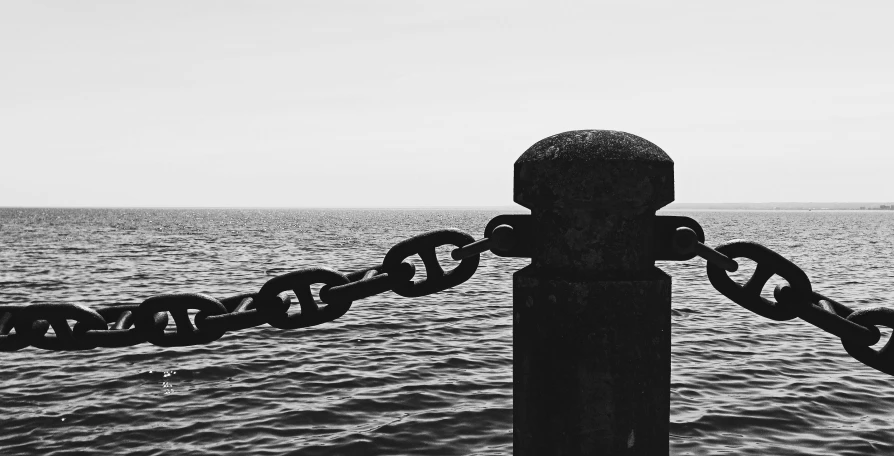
(594, 169)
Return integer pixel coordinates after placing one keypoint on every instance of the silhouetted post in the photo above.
(591, 336)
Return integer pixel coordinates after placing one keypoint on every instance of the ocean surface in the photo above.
(410, 376)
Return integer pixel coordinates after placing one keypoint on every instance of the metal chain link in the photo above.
(125, 325)
(856, 328)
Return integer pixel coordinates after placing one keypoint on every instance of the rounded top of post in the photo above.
(596, 169)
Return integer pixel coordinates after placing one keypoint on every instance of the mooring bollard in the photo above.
(591, 336)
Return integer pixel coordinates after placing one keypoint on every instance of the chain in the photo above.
(125, 325)
(856, 328)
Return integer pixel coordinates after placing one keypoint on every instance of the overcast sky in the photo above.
(423, 103)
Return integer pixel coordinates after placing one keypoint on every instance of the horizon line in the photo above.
(481, 207)
(267, 207)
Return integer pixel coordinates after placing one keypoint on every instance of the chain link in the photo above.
(57, 315)
(826, 314)
(856, 328)
(881, 360)
(125, 325)
(768, 263)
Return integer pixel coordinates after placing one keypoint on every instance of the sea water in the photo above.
(410, 376)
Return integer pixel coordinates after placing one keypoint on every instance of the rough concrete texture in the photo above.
(595, 169)
(591, 365)
(593, 195)
(592, 313)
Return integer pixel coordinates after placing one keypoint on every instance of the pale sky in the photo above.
(424, 103)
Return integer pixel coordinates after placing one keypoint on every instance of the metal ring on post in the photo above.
(880, 360)
(749, 295)
(686, 242)
(501, 238)
(517, 245)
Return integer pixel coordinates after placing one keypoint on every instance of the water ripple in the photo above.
(430, 375)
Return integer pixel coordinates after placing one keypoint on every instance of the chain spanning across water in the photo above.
(124, 325)
(856, 328)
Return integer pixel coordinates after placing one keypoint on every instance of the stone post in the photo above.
(591, 336)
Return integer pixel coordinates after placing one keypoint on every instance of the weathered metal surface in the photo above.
(768, 264)
(124, 325)
(856, 328)
(519, 245)
(146, 319)
(371, 283)
(592, 313)
(501, 237)
(299, 282)
(663, 235)
(686, 241)
(436, 279)
(666, 227)
(56, 315)
(881, 360)
(827, 314)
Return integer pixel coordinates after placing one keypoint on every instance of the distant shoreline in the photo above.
(670, 207)
(783, 206)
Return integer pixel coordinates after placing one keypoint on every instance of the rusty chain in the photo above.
(125, 325)
(675, 238)
(856, 328)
